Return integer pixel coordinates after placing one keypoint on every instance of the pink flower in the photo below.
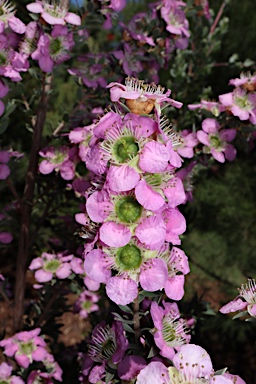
(213, 106)
(6, 377)
(170, 331)
(50, 265)
(26, 347)
(6, 237)
(241, 103)
(53, 49)
(177, 263)
(86, 303)
(174, 17)
(133, 263)
(7, 18)
(57, 159)
(147, 96)
(216, 141)
(53, 13)
(246, 300)
(189, 142)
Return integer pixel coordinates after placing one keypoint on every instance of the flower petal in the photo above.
(121, 290)
(115, 235)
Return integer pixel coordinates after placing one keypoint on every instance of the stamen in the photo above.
(248, 291)
(103, 344)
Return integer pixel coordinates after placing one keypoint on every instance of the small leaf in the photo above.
(220, 371)
(240, 314)
(4, 122)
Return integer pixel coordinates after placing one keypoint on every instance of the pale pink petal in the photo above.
(39, 354)
(72, 18)
(174, 158)
(175, 192)
(81, 218)
(121, 290)
(17, 25)
(219, 156)
(147, 197)
(35, 7)
(226, 99)
(43, 276)
(144, 125)
(98, 206)
(153, 275)
(96, 267)
(36, 263)
(52, 20)
(165, 350)
(151, 232)
(174, 287)
(175, 225)
(157, 314)
(242, 114)
(46, 167)
(123, 178)
(234, 378)
(67, 170)
(210, 125)
(220, 379)
(22, 360)
(203, 138)
(196, 360)
(154, 373)
(115, 235)
(64, 271)
(94, 161)
(154, 157)
(233, 306)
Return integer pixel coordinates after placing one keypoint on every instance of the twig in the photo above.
(136, 319)
(217, 18)
(26, 205)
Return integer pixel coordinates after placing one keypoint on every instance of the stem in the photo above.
(217, 18)
(26, 205)
(136, 319)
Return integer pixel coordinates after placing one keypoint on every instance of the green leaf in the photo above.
(240, 314)
(4, 124)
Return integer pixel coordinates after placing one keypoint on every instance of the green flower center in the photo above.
(52, 265)
(128, 257)
(168, 332)
(58, 158)
(3, 59)
(125, 149)
(153, 179)
(26, 348)
(4, 382)
(55, 46)
(128, 210)
(243, 103)
(216, 142)
(86, 305)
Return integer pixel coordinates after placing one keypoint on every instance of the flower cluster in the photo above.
(135, 206)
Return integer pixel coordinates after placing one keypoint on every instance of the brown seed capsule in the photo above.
(140, 107)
